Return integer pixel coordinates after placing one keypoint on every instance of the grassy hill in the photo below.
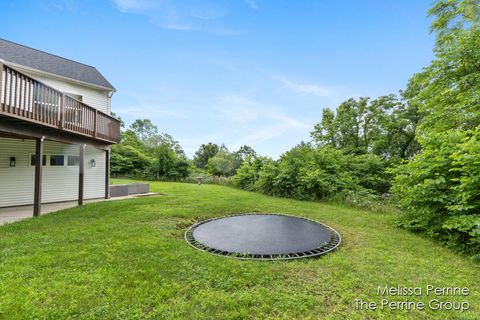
(128, 260)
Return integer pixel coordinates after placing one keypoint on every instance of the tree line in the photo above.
(146, 153)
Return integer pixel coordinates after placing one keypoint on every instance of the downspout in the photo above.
(109, 95)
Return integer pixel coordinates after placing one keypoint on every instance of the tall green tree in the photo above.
(222, 164)
(242, 154)
(167, 164)
(204, 153)
(148, 134)
(440, 187)
(144, 129)
(397, 127)
(452, 16)
(145, 153)
(325, 133)
(386, 126)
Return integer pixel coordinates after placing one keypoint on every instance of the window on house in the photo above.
(57, 160)
(73, 160)
(33, 158)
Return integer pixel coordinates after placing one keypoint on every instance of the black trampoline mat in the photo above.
(262, 234)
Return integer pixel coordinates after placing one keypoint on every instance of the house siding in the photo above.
(59, 183)
(93, 97)
(96, 98)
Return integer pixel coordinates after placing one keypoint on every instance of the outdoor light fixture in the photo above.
(12, 161)
(93, 163)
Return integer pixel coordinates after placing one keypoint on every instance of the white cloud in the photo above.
(278, 128)
(193, 15)
(66, 5)
(252, 4)
(308, 88)
(259, 122)
(135, 5)
(291, 122)
(147, 111)
(237, 108)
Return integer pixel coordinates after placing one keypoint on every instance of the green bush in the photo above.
(128, 160)
(440, 189)
(248, 173)
(313, 173)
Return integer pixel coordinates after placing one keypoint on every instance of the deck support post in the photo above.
(37, 193)
(81, 171)
(107, 174)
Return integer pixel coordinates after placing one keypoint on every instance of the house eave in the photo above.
(56, 76)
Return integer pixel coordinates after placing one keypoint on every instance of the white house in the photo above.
(55, 128)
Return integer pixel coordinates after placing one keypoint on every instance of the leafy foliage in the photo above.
(385, 126)
(249, 172)
(204, 153)
(144, 153)
(440, 188)
(128, 160)
(312, 173)
(222, 164)
(452, 16)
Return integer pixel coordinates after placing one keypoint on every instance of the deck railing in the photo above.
(25, 98)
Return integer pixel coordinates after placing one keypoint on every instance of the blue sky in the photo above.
(253, 72)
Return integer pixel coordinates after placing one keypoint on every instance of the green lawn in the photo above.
(128, 260)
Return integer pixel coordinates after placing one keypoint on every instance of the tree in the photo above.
(242, 154)
(205, 152)
(222, 164)
(129, 138)
(173, 144)
(128, 160)
(350, 115)
(452, 16)
(145, 153)
(144, 129)
(385, 126)
(168, 165)
(248, 173)
(148, 133)
(439, 188)
(325, 132)
(397, 123)
(314, 173)
(130, 157)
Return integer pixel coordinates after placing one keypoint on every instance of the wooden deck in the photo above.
(27, 99)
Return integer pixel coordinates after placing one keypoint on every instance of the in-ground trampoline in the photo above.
(263, 236)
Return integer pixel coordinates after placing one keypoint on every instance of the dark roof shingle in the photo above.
(36, 59)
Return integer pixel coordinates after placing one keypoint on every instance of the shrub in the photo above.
(440, 189)
(312, 173)
(248, 173)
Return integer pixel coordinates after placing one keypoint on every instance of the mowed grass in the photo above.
(128, 260)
